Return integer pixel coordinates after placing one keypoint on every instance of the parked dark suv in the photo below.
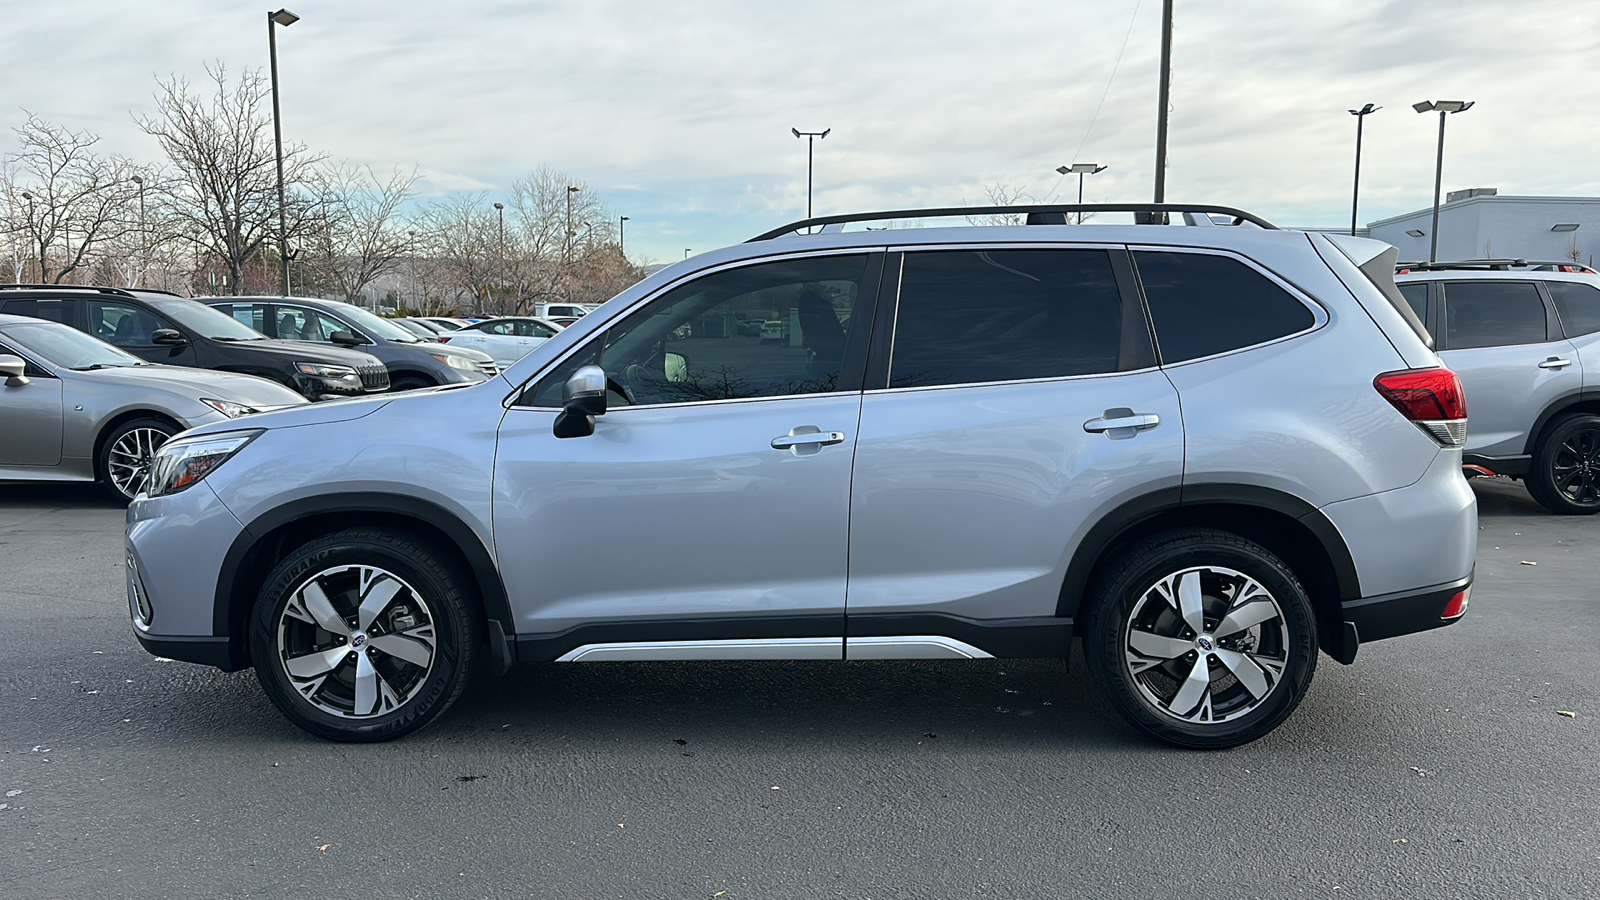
(175, 331)
(412, 361)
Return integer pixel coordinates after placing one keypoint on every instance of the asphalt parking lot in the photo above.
(1439, 765)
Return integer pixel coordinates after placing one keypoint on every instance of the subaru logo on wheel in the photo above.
(1204, 642)
(357, 639)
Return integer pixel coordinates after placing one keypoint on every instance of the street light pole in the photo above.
(622, 237)
(285, 18)
(144, 238)
(1161, 101)
(28, 198)
(1443, 108)
(1080, 170)
(811, 138)
(1355, 192)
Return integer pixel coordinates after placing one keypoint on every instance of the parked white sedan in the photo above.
(507, 340)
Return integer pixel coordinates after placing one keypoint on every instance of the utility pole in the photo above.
(1161, 110)
(811, 138)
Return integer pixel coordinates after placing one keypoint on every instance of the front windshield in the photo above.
(380, 328)
(205, 321)
(69, 348)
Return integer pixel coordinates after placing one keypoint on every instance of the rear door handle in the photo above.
(1115, 419)
(807, 436)
(1555, 362)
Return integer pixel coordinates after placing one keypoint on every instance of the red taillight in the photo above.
(1457, 605)
(444, 338)
(1432, 398)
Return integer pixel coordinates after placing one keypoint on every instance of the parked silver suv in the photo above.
(1526, 343)
(1205, 450)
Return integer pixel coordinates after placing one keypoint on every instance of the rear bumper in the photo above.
(1390, 615)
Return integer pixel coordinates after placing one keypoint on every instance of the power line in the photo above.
(1104, 94)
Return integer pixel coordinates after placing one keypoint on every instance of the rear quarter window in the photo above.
(1578, 305)
(1203, 304)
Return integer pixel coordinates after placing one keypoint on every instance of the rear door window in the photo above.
(1577, 304)
(973, 316)
(1204, 304)
(251, 314)
(50, 310)
(1493, 314)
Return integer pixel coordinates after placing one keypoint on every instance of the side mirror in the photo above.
(584, 397)
(12, 368)
(676, 368)
(347, 338)
(168, 337)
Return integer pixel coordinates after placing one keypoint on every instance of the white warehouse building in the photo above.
(1479, 224)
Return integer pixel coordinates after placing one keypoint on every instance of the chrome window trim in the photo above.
(1320, 316)
(510, 400)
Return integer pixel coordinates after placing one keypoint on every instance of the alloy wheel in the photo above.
(1575, 467)
(128, 463)
(1206, 644)
(356, 641)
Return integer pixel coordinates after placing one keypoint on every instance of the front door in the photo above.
(1019, 402)
(30, 418)
(707, 515)
(133, 329)
(1510, 357)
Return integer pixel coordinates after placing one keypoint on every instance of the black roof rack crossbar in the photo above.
(120, 292)
(1037, 214)
(1503, 264)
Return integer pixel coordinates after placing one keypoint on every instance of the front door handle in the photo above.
(1121, 422)
(807, 437)
(1555, 362)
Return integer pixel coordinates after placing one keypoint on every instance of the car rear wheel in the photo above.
(365, 635)
(1565, 477)
(1201, 638)
(128, 452)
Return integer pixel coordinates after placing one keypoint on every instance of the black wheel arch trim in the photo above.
(1556, 407)
(1120, 520)
(228, 607)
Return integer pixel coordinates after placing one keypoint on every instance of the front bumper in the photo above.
(175, 548)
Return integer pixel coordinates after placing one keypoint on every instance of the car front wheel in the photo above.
(128, 452)
(1201, 638)
(364, 635)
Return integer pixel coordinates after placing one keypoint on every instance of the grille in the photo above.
(374, 378)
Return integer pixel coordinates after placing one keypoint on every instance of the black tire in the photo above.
(141, 437)
(1227, 711)
(411, 383)
(1565, 476)
(427, 598)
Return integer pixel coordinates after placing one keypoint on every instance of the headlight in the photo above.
(229, 408)
(182, 463)
(456, 362)
(323, 371)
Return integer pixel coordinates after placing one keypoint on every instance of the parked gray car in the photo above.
(1206, 451)
(75, 408)
(1526, 344)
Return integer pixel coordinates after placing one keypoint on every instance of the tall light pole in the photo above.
(686, 253)
(285, 18)
(1443, 108)
(28, 198)
(144, 239)
(622, 237)
(1161, 102)
(570, 191)
(1080, 170)
(811, 138)
(1355, 192)
(500, 209)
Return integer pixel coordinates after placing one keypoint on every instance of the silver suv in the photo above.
(1206, 451)
(1526, 343)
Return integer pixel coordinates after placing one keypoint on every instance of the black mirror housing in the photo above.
(168, 337)
(347, 338)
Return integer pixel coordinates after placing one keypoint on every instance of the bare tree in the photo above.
(360, 234)
(557, 225)
(460, 237)
(64, 199)
(220, 146)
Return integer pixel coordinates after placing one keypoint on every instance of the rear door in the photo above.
(1504, 343)
(1012, 400)
(1578, 305)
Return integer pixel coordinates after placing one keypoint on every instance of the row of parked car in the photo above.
(98, 378)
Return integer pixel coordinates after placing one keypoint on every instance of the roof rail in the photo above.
(1497, 264)
(1038, 214)
(120, 292)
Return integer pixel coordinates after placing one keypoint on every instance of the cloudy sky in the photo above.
(678, 114)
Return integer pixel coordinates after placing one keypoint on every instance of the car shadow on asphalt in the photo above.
(1501, 497)
(17, 495)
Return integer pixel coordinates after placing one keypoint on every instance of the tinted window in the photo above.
(1001, 315)
(300, 324)
(1492, 314)
(1578, 305)
(1204, 304)
(688, 345)
(1416, 294)
(53, 310)
(251, 314)
(124, 325)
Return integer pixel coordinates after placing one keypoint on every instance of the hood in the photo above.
(306, 351)
(199, 383)
(307, 414)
